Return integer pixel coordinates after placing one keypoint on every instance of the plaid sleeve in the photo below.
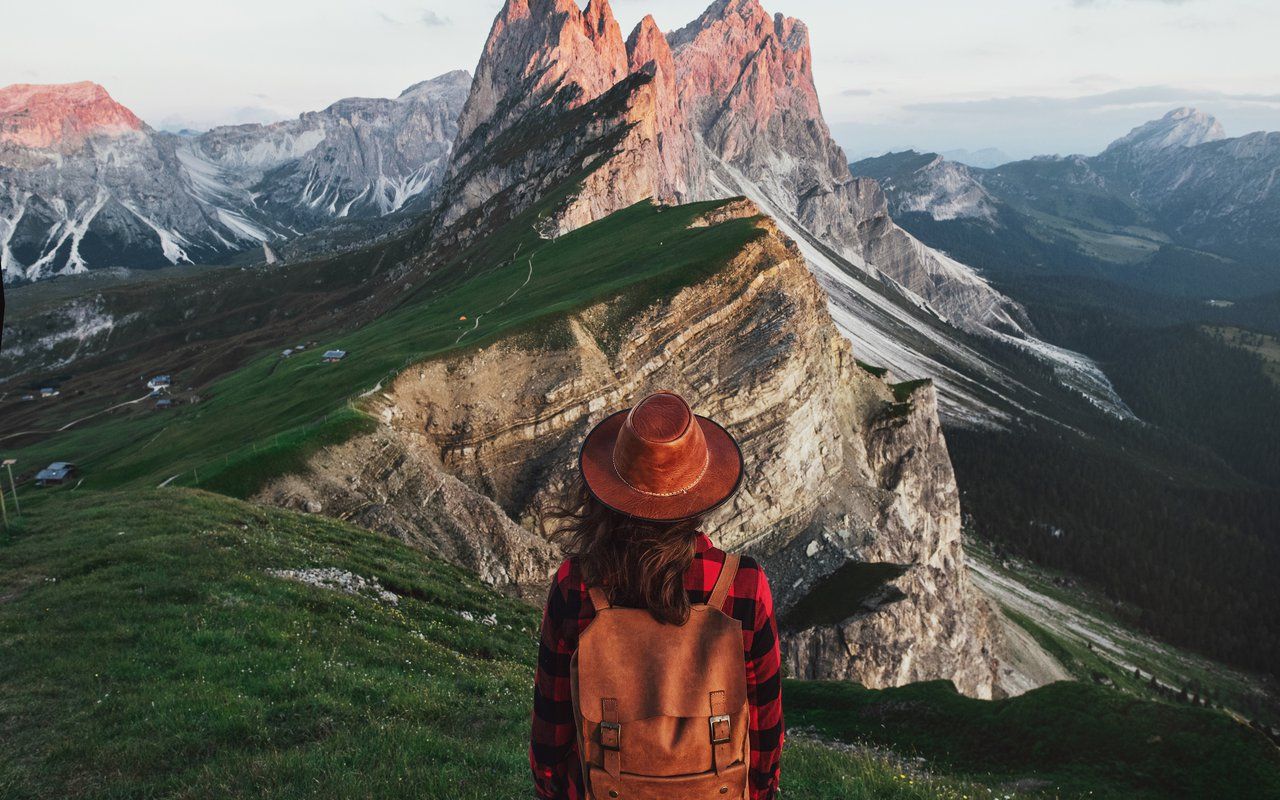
(552, 748)
(764, 693)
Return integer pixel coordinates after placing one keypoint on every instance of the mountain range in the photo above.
(1174, 206)
(85, 184)
(556, 86)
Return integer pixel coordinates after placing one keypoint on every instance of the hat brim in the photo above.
(717, 485)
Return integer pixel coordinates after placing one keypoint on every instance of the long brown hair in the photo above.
(639, 564)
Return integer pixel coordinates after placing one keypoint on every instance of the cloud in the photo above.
(1100, 3)
(426, 17)
(235, 115)
(1133, 97)
(857, 92)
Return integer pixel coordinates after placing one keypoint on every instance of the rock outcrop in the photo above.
(473, 446)
(886, 641)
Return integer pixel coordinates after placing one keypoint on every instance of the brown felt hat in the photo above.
(659, 461)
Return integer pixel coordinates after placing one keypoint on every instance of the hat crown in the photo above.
(660, 451)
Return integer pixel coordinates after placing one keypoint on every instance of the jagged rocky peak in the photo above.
(745, 80)
(647, 48)
(761, 66)
(61, 116)
(536, 49)
(1181, 127)
(682, 170)
(557, 91)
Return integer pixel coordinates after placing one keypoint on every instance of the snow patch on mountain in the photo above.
(10, 269)
(171, 242)
(240, 226)
(69, 229)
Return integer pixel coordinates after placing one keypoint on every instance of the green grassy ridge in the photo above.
(640, 253)
(1083, 739)
(150, 652)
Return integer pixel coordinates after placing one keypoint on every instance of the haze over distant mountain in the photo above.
(1174, 205)
(85, 184)
(985, 157)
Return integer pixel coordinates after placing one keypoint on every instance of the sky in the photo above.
(1025, 77)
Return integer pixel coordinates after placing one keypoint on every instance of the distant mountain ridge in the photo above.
(1174, 206)
(86, 184)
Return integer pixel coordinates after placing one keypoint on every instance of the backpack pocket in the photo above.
(729, 784)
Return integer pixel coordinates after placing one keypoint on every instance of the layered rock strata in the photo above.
(474, 446)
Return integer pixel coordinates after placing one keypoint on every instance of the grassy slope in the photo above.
(148, 652)
(264, 415)
(1080, 738)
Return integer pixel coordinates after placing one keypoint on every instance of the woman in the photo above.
(658, 671)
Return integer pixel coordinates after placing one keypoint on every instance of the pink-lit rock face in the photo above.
(61, 116)
(737, 58)
(545, 58)
(535, 48)
(648, 51)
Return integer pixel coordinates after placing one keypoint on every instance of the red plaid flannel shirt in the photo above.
(553, 752)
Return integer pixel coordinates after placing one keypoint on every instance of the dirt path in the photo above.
(517, 291)
(75, 422)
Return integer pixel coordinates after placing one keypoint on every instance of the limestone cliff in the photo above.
(838, 467)
(731, 108)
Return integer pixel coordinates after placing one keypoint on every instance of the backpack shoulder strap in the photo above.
(723, 583)
(598, 598)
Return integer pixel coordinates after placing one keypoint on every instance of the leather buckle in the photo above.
(610, 735)
(716, 737)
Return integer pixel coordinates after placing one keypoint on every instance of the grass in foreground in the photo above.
(1074, 739)
(149, 652)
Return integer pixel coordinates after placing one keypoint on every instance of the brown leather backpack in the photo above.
(661, 710)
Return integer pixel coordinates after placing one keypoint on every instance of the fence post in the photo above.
(13, 487)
